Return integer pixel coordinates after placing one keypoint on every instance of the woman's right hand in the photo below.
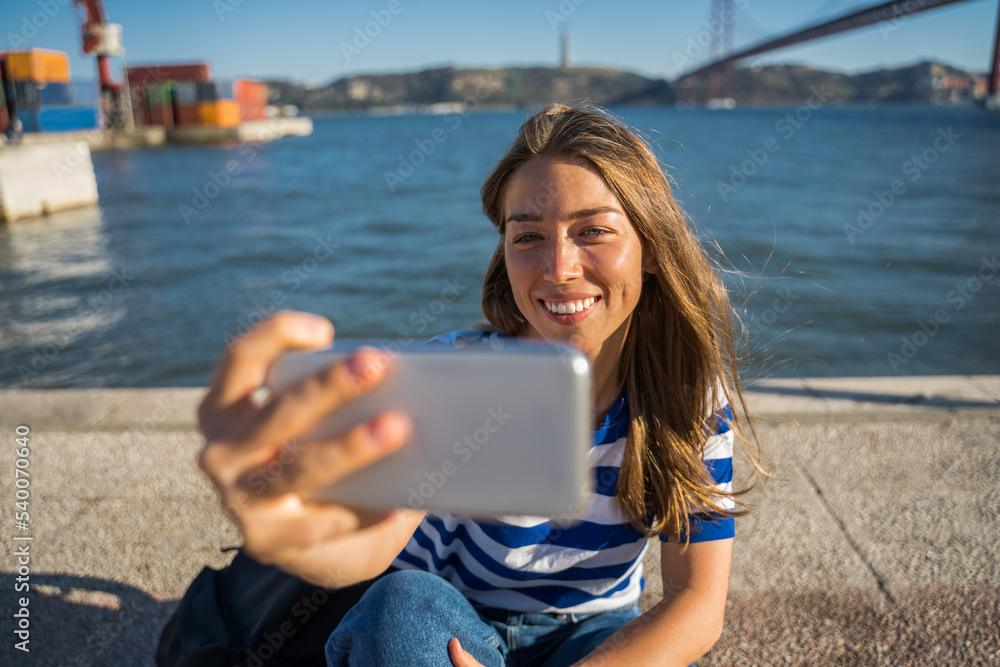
(264, 474)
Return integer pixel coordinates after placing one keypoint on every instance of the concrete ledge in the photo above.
(253, 131)
(101, 409)
(35, 180)
(847, 398)
(779, 400)
(98, 140)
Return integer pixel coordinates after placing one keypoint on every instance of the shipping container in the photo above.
(250, 91)
(69, 118)
(161, 73)
(161, 116)
(39, 65)
(159, 94)
(253, 111)
(140, 114)
(24, 94)
(29, 120)
(245, 91)
(55, 94)
(186, 114)
(208, 91)
(221, 113)
(185, 92)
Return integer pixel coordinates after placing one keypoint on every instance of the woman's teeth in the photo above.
(569, 307)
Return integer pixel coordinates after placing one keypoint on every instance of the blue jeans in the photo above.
(407, 618)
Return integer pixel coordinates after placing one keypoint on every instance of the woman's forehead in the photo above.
(546, 182)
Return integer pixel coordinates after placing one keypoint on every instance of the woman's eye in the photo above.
(525, 238)
(594, 232)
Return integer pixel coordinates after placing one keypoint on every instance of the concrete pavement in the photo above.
(877, 541)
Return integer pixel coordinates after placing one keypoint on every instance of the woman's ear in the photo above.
(648, 265)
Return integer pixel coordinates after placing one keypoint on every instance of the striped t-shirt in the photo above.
(533, 564)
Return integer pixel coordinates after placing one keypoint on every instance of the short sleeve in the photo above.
(718, 458)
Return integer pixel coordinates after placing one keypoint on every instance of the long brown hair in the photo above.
(678, 361)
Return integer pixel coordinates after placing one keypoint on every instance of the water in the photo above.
(191, 245)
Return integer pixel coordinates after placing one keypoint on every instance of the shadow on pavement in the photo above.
(871, 397)
(82, 621)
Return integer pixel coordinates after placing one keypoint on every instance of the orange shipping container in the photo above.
(40, 65)
(221, 113)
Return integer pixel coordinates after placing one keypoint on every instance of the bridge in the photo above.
(720, 70)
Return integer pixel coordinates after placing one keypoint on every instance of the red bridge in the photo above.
(720, 69)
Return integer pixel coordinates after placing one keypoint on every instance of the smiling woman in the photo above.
(592, 251)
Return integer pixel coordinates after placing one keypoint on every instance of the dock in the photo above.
(156, 135)
(875, 542)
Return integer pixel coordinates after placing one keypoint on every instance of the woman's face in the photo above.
(574, 259)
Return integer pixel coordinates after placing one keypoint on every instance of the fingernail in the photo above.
(366, 366)
(385, 429)
(357, 366)
(316, 325)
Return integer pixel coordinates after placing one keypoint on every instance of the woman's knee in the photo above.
(408, 613)
(411, 595)
(409, 587)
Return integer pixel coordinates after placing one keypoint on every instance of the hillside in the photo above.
(512, 86)
(530, 86)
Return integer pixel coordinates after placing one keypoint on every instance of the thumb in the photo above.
(459, 656)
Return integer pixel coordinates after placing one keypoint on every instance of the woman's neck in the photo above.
(605, 363)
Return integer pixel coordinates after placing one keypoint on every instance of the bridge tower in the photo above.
(993, 97)
(720, 80)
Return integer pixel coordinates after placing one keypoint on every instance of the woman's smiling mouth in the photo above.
(571, 311)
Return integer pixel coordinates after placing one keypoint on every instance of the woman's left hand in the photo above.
(459, 656)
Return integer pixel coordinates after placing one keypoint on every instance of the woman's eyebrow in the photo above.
(524, 217)
(575, 215)
(587, 212)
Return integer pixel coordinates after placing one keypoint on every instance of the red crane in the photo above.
(104, 40)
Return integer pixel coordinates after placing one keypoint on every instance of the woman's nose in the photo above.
(562, 261)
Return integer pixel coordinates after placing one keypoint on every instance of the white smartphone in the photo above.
(499, 429)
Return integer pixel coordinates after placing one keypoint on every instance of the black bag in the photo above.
(254, 615)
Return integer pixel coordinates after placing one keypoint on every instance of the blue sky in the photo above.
(316, 42)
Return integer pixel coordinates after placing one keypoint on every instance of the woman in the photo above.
(593, 250)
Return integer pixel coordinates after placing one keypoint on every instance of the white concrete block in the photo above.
(40, 179)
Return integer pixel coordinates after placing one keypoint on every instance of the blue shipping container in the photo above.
(207, 91)
(56, 94)
(68, 119)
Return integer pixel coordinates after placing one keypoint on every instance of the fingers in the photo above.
(307, 468)
(242, 367)
(272, 431)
